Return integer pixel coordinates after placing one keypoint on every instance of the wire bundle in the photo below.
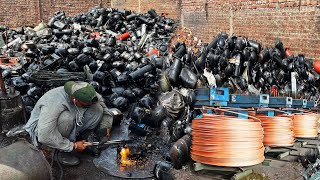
(305, 125)
(227, 141)
(278, 131)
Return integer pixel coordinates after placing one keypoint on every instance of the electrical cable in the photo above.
(278, 130)
(305, 125)
(226, 140)
(54, 157)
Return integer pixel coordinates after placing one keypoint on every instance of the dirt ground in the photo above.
(87, 170)
(290, 171)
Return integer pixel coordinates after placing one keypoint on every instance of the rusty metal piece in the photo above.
(179, 152)
(4, 59)
(2, 86)
(11, 111)
(6, 62)
(227, 141)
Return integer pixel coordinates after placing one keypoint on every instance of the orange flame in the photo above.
(125, 152)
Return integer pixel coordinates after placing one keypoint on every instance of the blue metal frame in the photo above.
(311, 104)
(212, 97)
(280, 102)
(221, 97)
(244, 101)
(299, 103)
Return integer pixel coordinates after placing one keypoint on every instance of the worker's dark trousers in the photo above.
(90, 120)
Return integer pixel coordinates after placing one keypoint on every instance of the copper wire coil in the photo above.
(227, 141)
(278, 131)
(305, 125)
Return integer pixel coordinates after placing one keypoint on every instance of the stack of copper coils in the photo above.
(305, 125)
(227, 141)
(278, 130)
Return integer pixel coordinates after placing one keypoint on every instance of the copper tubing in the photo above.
(278, 131)
(123, 37)
(231, 110)
(227, 141)
(305, 125)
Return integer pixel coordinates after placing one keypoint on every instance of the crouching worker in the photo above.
(64, 114)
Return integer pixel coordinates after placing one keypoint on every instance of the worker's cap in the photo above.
(82, 91)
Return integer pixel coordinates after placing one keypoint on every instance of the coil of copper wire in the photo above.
(227, 141)
(278, 131)
(305, 125)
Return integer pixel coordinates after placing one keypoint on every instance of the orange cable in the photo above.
(227, 141)
(305, 125)
(278, 131)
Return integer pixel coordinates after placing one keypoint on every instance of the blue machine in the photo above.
(220, 97)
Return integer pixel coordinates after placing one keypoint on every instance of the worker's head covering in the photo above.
(82, 91)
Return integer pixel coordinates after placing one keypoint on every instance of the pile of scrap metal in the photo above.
(312, 172)
(120, 51)
(246, 67)
(125, 56)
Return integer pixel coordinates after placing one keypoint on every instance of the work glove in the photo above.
(79, 146)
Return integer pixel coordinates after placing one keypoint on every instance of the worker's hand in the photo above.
(79, 146)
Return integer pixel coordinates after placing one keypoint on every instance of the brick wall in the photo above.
(295, 22)
(170, 7)
(16, 13)
(70, 7)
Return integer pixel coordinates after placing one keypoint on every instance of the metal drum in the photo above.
(11, 111)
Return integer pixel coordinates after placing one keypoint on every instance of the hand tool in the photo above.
(106, 143)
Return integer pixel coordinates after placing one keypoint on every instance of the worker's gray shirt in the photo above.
(43, 123)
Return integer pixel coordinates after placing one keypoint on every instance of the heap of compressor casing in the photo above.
(124, 55)
(246, 67)
(127, 53)
(123, 51)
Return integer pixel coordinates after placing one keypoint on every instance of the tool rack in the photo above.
(220, 97)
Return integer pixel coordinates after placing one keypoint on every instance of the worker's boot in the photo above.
(67, 158)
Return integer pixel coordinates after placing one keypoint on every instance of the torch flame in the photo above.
(125, 152)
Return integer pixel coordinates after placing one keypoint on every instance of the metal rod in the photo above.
(6, 42)
(2, 86)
